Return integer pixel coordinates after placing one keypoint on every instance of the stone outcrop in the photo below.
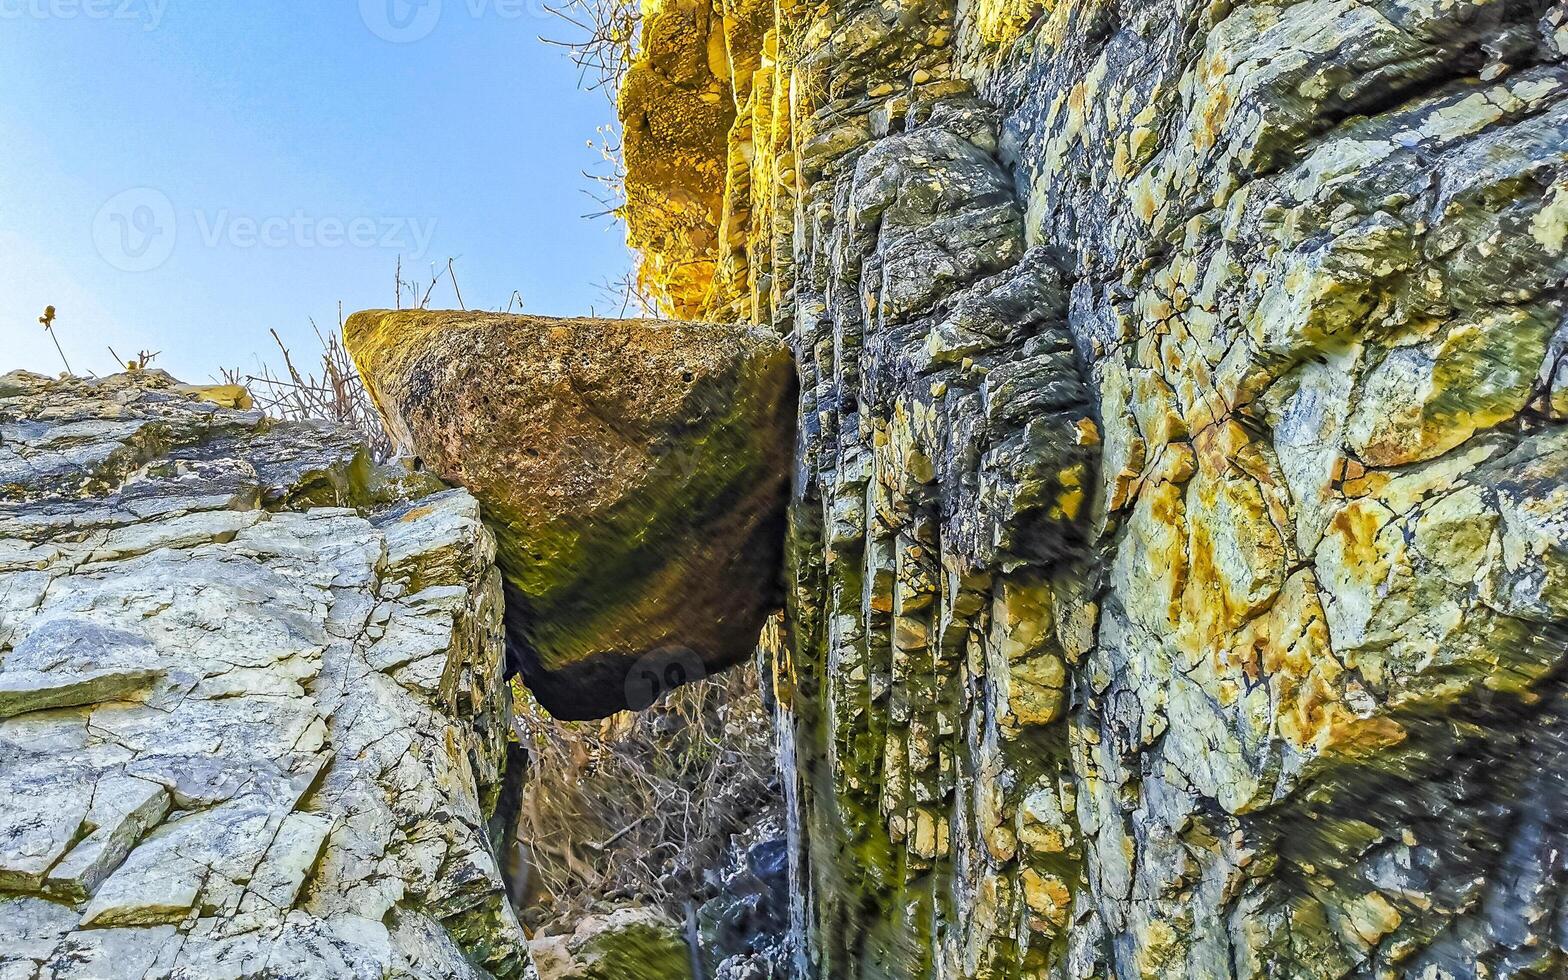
(1180, 539)
(253, 719)
(634, 472)
(679, 112)
(629, 944)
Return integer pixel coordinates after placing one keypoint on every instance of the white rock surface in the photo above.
(252, 712)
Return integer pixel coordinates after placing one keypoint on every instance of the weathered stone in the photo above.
(1178, 543)
(634, 473)
(24, 691)
(629, 944)
(207, 768)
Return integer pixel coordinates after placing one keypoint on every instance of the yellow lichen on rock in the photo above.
(677, 105)
(1310, 257)
(1004, 21)
(224, 396)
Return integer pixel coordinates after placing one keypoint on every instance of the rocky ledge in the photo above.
(252, 710)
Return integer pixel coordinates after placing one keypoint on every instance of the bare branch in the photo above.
(641, 806)
(335, 394)
(452, 275)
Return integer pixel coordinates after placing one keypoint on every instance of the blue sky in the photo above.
(184, 175)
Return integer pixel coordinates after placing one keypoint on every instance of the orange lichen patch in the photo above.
(1086, 433)
(1153, 562)
(1355, 529)
(1239, 550)
(1294, 653)
(1125, 483)
(1048, 897)
(1073, 495)
(1213, 111)
(1237, 556)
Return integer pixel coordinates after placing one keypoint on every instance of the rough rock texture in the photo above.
(744, 928)
(252, 714)
(634, 472)
(1180, 549)
(679, 112)
(630, 944)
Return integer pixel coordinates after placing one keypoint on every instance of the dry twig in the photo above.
(640, 807)
(336, 394)
(606, 40)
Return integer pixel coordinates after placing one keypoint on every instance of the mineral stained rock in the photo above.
(1179, 550)
(253, 719)
(635, 473)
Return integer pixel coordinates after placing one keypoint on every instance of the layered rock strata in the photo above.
(635, 473)
(1180, 542)
(253, 719)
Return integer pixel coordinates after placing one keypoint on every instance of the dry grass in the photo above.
(640, 806)
(331, 393)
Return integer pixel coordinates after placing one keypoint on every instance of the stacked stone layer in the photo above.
(252, 713)
(1181, 535)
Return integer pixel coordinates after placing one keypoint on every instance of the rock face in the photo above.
(635, 474)
(1179, 554)
(252, 714)
(744, 928)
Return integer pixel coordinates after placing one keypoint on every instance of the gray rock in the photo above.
(252, 714)
(1178, 562)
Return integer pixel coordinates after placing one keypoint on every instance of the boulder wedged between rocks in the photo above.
(635, 474)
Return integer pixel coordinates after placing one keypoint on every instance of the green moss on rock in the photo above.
(634, 473)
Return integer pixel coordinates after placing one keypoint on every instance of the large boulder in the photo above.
(635, 473)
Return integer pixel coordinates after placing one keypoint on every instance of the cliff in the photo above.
(1176, 564)
(1179, 550)
(252, 714)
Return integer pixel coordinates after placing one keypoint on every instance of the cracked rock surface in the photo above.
(1179, 551)
(252, 714)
